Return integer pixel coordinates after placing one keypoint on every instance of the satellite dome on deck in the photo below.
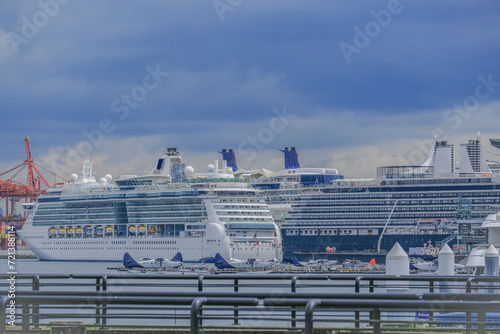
(102, 181)
(189, 171)
(210, 168)
(73, 177)
(108, 177)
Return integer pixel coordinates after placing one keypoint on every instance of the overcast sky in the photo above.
(351, 84)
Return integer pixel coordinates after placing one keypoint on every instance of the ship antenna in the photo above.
(87, 172)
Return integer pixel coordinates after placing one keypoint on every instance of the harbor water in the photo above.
(32, 266)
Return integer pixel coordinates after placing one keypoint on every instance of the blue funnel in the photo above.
(291, 158)
(228, 155)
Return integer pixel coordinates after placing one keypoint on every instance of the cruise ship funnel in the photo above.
(291, 158)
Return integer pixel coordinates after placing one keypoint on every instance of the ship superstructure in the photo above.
(281, 188)
(170, 210)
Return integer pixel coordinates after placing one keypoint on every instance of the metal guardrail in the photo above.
(351, 302)
(356, 282)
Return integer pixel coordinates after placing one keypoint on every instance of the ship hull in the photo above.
(112, 249)
(356, 243)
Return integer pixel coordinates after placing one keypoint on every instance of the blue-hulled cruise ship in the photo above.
(170, 210)
(432, 204)
(441, 201)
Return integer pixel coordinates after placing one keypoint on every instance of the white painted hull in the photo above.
(113, 248)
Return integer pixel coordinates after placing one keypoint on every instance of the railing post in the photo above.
(468, 286)
(468, 289)
(357, 288)
(310, 306)
(294, 290)
(195, 314)
(468, 320)
(35, 308)
(236, 311)
(294, 284)
(36, 283)
(26, 318)
(104, 306)
(3, 312)
(372, 290)
(481, 319)
(97, 305)
(200, 289)
(200, 283)
(104, 286)
(357, 284)
(376, 321)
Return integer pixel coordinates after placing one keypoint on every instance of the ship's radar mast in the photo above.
(87, 172)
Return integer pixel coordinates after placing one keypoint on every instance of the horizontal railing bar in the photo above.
(106, 300)
(272, 294)
(267, 277)
(399, 305)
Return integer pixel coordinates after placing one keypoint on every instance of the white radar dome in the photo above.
(189, 171)
(210, 168)
(108, 177)
(102, 181)
(73, 177)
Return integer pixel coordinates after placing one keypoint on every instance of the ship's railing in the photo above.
(353, 303)
(216, 181)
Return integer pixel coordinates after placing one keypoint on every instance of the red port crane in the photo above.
(15, 191)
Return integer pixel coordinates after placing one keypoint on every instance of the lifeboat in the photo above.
(142, 228)
(132, 229)
(62, 230)
(52, 232)
(78, 229)
(88, 230)
(69, 232)
(108, 230)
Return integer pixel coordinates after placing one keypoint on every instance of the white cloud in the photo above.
(337, 140)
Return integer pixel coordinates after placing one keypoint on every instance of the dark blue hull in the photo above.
(356, 243)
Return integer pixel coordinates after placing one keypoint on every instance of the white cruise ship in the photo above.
(170, 210)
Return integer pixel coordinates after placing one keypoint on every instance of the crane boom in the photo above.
(29, 163)
(385, 226)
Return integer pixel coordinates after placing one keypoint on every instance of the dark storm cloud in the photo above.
(228, 69)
